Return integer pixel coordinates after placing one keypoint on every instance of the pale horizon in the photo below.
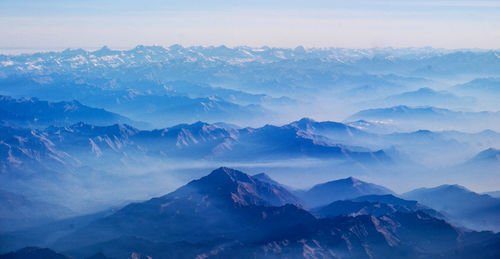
(346, 24)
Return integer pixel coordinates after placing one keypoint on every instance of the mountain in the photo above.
(45, 162)
(430, 148)
(277, 141)
(336, 131)
(401, 111)
(225, 203)
(444, 65)
(244, 189)
(240, 85)
(197, 90)
(428, 97)
(45, 233)
(263, 177)
(489, 85)
(432, 118)
(486, 89)
(350, 237)
(229, 214)
(34, 253)
(88, 144)
(490, 155)
(342, 189)
(169, 109)
(494, 194)
(32, 112)
(147, 101)
(460, 205)
(352, 208)
(478, 245)
(16, 211)
(399, 204)
(376, 205)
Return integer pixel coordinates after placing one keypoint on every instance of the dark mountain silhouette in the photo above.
(34, 253)
(229, 214)
(226, 203)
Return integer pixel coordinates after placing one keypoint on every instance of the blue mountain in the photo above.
(246, 216)
(17, 211)
(342, 189)
(460, 205)
(32, 112)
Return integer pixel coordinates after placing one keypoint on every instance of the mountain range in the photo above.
(84, 143)
(240, 85)
(55, 155)
(18, 211)
(105, 153)
(376, 205)
(414, 118)
(229, 213)
(427, 97)
(34, 113)
(461, 205)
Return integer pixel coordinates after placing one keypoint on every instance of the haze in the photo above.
(30, 24)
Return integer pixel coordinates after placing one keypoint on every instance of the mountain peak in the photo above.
(349, 180)
(347, 188)
(494, 150)
(453, 187)
(352, 179)
(487, 155)
(225, 173)
(235, 187)
(105, 50)
(306, 120)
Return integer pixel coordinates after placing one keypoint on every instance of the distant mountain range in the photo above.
(229, 213)
(432, 118)
(489, 85)
(69, 153)
(461, 205)
(34, 113)
(18, 211)
(427, 97)
(44, 161)
(239, 85)
(88, 144)
(148, 101)
(96, 148)
(424, 61)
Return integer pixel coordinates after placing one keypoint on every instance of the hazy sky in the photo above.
(313, 23)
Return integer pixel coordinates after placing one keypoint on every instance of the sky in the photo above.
(59, 24)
